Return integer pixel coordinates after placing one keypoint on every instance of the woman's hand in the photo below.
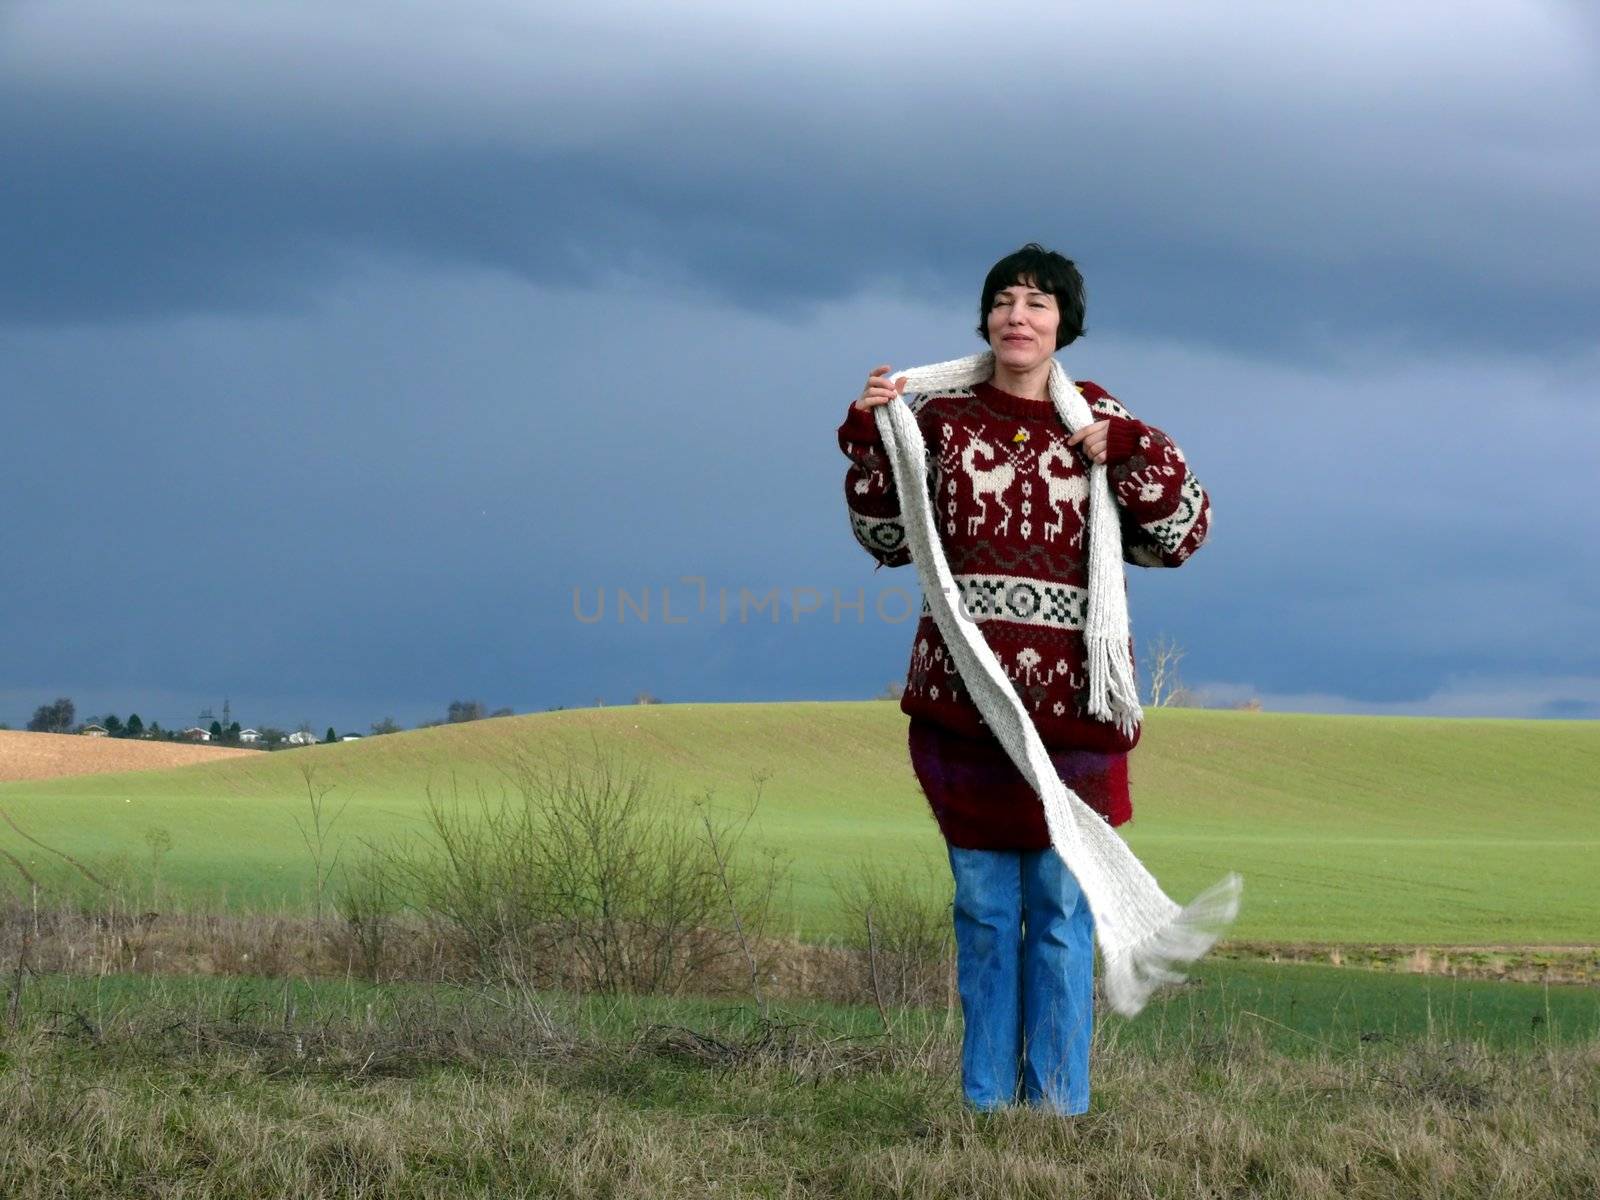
(879, 390)
(1093, 438)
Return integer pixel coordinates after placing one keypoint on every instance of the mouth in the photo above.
(1018, 338)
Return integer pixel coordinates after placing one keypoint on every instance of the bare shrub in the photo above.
(901, 926)
(582, 876)
(368, 904)
(1459, 1075)
(316, 837)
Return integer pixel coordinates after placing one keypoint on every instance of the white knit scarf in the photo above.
(1143, 934)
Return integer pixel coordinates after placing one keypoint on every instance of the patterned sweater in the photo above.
(1011, 501)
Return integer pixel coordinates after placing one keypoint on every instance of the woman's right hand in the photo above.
(879, 390)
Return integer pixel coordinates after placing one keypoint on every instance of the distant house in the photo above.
(195, 734)
(349, 737)
(249, 735)
(301, 738)
(95, 731)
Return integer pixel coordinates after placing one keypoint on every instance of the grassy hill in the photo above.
(1347, 829)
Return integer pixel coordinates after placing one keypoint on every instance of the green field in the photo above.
(1346, 829)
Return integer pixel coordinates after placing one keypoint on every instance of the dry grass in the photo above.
(52, 755)
(1520, 964)
(114, 939)
(491, 1097)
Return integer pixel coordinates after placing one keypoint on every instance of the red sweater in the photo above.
(1011, 502)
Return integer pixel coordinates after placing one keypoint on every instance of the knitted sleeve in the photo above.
(1166, 514)
(869, 492)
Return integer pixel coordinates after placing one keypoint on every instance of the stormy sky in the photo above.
(356, 358)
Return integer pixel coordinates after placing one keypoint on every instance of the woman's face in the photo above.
(1022, 325)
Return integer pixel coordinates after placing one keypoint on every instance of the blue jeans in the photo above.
(1025, 970)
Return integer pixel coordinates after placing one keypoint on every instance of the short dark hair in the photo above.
(1049, 272)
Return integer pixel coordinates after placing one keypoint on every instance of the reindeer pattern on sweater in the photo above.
(1010, 498)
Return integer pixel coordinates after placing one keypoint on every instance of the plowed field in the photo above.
(52, 755)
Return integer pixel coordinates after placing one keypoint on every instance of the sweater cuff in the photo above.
(1122, 438)
(861, 426)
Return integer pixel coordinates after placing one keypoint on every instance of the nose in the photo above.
(1018, 316)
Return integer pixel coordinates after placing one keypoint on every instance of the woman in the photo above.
(1010, 489)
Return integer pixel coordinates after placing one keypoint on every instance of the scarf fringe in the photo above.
(1113, 696)
(1133, 972)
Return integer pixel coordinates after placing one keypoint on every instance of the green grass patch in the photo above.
(1295, 1008)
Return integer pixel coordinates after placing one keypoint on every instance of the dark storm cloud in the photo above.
(387, 501)
(1251, 178)
(339, 344)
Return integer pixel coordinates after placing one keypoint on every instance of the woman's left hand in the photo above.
(1093, 438)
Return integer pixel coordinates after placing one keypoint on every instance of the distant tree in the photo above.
(645, 698)
(892, 690)
(232, 732)
(156, 731)
(387, 725)
(1182, 697)
(135, 727)
(503, 712)
(53, 718)
(465, 710)
(113, 724)
(1251, 705)
(1164, 655)
(331, 735)
(271, 737)
(216, 730)
(5, 725)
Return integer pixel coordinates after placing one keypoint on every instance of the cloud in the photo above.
(376, 328)
(1575, 697)
(402, 485)
(1260, 177)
